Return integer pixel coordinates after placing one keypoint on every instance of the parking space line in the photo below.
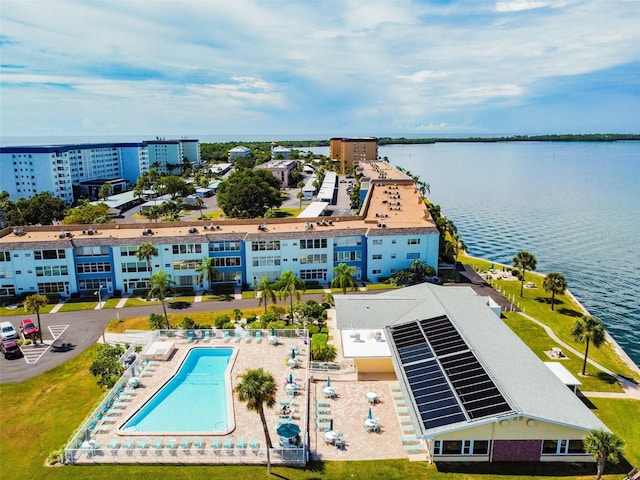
(33, 353)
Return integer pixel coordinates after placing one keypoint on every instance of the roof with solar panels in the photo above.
(458, 363)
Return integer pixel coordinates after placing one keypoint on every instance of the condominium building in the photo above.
(29, 170)
(381, 241)
(281, 169)
(350, 151)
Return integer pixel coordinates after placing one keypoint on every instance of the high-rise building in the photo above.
(350, 151)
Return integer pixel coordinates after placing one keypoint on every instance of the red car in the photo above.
(28, 329)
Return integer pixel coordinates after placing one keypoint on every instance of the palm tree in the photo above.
(524, 261)
(288, 286)
(237, 314)
(603, 446)
(300, 196)
(145, 251)
(206, 270)
(343, 278)
(258, 389)
(267, 293)
(418, 270)
(198, 202)
(161, 285)
(327, 299)
(33, 304)
(555, 283)
(588, 329)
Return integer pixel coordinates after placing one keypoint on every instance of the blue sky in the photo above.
(329, 68)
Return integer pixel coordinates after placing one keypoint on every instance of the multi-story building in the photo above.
(394, 230)
(350, 151)
(281, 169)
(29, 170)
(239, 152)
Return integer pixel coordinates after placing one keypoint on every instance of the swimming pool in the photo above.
(197, 399)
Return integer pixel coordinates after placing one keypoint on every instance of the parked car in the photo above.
(7, 331)
(10, 349)
(27, 328)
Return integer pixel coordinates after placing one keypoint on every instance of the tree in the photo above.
(41, 209)
(144, 253)
(237, 314)
(258, 389)
(33, 304)
(555, 283)
(161, 285)
(106, 365)
(603, 446)
(524, 261)
(207, 269)
(87, 213)
(288, 286)
(267, 293)
(105, 191)
(323, 352)
(198, 202)
(343, 278)
(300, 196)
(328, 300)
(249, 194)
(588, 330)
(176, 186)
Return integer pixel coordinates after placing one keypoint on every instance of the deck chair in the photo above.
(113, 444)
(228, 446)
(321, 416)
(142, 445)
(172, 446)
(339, 442)
(321, 403)
(413, 447)
(322, 426)
(322, 408)
(241, 446)
(198, 444)
(190, 336)
(254, 445)
(207, 336)
(185, 443)
(226, 337)
(247, 337)
(237, 337)
(258, 336)
(394, 387)
(215, 446)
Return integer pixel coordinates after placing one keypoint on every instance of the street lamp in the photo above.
(99, 293)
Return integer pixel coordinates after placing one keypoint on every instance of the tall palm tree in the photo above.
(267, 293)
(33, 304)
(588, 330)
(524, 261)
(144, 253)
(198, 202)
(258, 389)
(343, 278)
(160, 286)
(207, 270)
(603, 446)
(288, 286)
(555, 283)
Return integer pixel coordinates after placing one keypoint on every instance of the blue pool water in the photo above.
(195, 400)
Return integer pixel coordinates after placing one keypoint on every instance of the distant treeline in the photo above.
(222, 148)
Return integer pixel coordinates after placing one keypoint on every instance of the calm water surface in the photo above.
(575, 206)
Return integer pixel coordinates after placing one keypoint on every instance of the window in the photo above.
(313, 258)
(129, 267)
(314, 274)
(53, 287)
(93, 267)
(347, 241)
(266, 261)
(393, 256)
(186, 248)
(92, 283)
(461, 447)
(413, 241)
(413, 256)
(186, 264)
(377, 242)
(226, 246)
(91, 251)
(313, 243)
(376, 271)
(51, 271)
(227, 261)
(129, 251)
(49, 254)
(562, 447)
(5, 256)
(263, 245)
(376, 257)
(347, 256)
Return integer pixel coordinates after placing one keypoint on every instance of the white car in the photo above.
(7, 331)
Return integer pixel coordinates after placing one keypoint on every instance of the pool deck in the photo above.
(348, 411)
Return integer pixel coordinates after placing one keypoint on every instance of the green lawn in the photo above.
(538, 341)
(76, 306)
(40, 415)
(535, 302)
(6, 312)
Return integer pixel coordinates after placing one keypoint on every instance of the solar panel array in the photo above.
(446, 379)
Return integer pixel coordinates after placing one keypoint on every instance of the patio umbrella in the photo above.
(288, 430)
(273, 331)
(293, 353)
(290, 378)
(331, 425)
(370, 416)
(328, 382)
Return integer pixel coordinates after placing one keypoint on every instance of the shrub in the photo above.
(251, 318)
(106, 365)
(313, 329)
(255, 325)
(269, 318)
(189, 324)
(229, 326)
(156, 321)
(220, 321)
(277, 324)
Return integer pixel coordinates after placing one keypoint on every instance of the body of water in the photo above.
(574, 206)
